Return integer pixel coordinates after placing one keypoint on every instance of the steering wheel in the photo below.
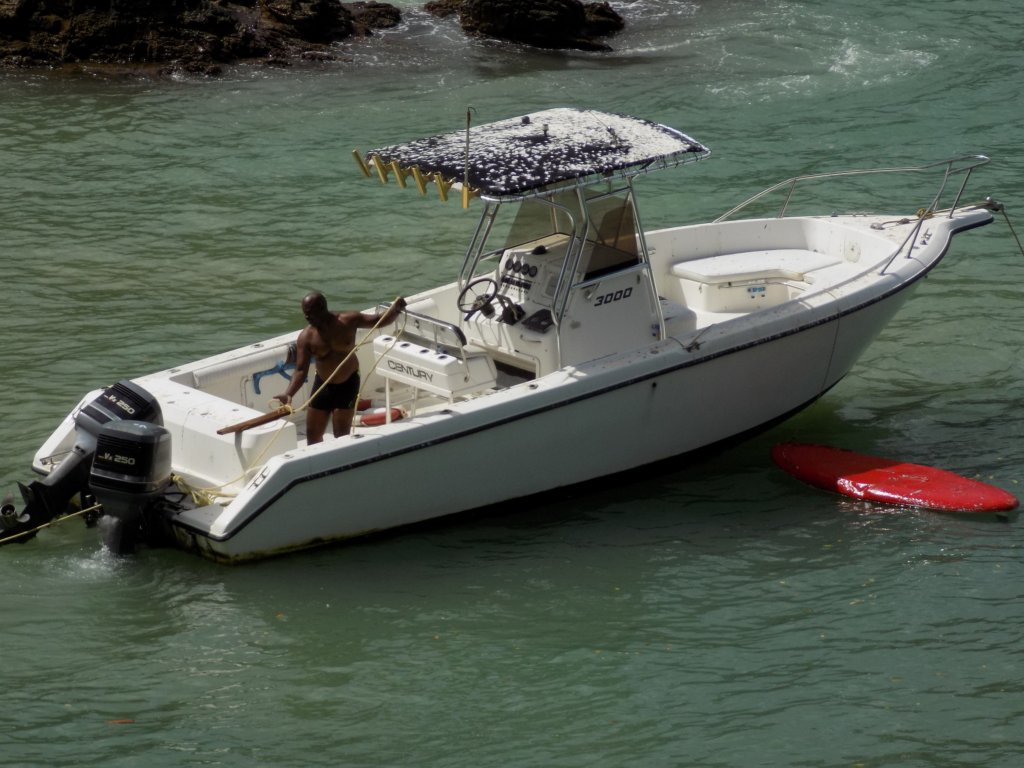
(477, 296)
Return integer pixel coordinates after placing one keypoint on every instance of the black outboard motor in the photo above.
(131, 469)
(49, 498)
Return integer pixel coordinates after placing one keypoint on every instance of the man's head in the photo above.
(314, 307)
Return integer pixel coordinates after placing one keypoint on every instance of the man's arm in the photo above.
(302, 359)
(369, 321)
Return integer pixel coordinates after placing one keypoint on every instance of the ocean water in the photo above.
(710, 614)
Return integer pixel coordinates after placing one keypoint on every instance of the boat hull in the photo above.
(564, 430)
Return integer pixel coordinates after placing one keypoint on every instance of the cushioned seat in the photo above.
(777, 264)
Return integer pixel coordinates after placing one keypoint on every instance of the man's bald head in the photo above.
(314, 307)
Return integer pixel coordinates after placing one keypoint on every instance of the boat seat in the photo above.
(773, 264)
(448, 372)
(236, 367)
(748, 280)
(238, 379)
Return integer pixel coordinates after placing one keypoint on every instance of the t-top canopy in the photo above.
(524, 156)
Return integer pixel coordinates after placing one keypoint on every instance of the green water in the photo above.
(718, 614)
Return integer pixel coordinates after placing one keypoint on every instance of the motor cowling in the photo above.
(130, 471)
(50, 498)
(123, 400)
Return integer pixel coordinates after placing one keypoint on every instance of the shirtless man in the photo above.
(330, 337)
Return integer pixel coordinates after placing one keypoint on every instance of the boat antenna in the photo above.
(465, 167)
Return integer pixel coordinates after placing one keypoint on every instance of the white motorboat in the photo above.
(570, 345)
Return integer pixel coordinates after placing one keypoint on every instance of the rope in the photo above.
(995, 205)
(62, 518)
(1012, 230)
(992, 205)
(376, 362)
(207, 495)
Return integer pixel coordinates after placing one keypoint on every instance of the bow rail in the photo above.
(954, 166)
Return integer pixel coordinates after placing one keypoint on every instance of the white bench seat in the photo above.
(746, 281)
(774, 264)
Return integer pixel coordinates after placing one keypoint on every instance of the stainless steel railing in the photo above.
(954, 166)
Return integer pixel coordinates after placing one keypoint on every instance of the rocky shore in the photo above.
(540, 23)
(202, 36)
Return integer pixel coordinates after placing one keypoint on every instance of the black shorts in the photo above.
(335, 396)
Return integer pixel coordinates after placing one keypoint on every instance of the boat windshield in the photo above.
(590, 231)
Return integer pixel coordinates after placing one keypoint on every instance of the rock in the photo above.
(540, 23)
(370, 15)
(316, 21)
(602, 20)
(442, 9)
(189, 35)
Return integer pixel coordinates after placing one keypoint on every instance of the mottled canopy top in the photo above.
(524, 156)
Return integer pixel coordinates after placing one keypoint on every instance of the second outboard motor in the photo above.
(49, 498)
(131, 469)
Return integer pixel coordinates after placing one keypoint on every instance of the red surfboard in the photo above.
(889, 481)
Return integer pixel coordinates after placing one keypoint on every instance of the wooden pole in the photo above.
(266, 418)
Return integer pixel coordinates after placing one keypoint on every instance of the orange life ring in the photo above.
(379, 417)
